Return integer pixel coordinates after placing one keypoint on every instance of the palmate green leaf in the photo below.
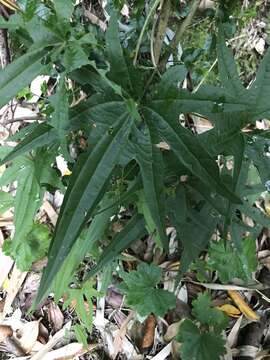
(20, 73)
(79, 295)
(207, 314)
(60, 116)
(141, 293)
(190, 152)
(209, 101)
(74, 56)
(171, 80)
(118, 68)
(64, 8)
(259, 91)
(83, 245)
(195, 235)
(228, 71)
(86, 188)
(15, 22)
(230, 263)
(28, 199)
(150, 160)
(254, 213)
(133, 231)
(32, 247)
(256, 152)
(6, 201)
(96, 110)
(40, 136)
(199, 345)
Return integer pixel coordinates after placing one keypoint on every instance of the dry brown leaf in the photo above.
(149, 332)
(230, 310)
(56, 318)
(243, 306)
(5, 331)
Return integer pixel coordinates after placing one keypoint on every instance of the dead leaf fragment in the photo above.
(68, 352)
(243, 306)
(16, 280)
(172, 331)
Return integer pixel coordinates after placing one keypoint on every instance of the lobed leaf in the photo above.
(20, 73)
(86, 188)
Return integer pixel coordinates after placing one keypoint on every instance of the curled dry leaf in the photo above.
(149, 332)
(56, 318)
(243, 306)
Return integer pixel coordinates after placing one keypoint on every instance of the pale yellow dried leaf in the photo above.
(230, 310)
(243, 306)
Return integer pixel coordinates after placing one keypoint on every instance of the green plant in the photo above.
(141, 293)
(138, 155)
(202, 339)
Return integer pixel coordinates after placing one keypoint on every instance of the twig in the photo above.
(161, 30)
(205, 76)
(151, 12)
(179, 33)
(4, 48)
(24, 118)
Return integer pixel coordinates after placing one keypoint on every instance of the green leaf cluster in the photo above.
(138, 155)
(142, 294)
(202, 340)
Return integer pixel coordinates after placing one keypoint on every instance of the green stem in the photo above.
(180, 31)
(151, 12)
